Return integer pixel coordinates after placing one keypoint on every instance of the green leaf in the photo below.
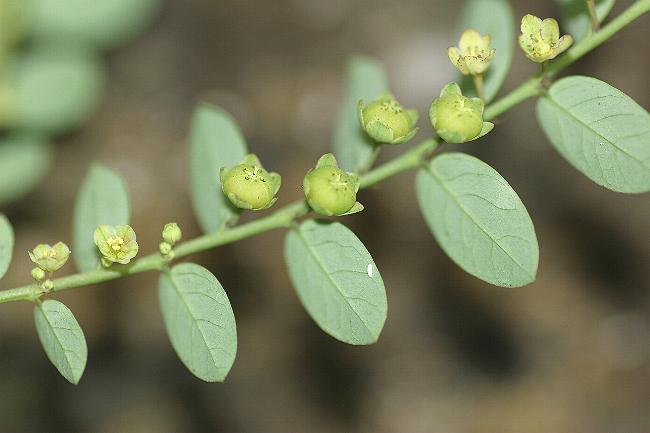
(576, 19)
(6, 244)
(62, 339)
(494, 18)
(54, 89)
(199, 321)
(478, 220)
(215, 142)
(600, 130)
(24, 162)
(337, 281)
(103, 24)
(103, 199)
(366, 80)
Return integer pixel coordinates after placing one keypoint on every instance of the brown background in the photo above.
(569, 353)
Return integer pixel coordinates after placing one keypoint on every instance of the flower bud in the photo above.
(171, 233)
(456, 118)
(165, 248)
(116, 244)
(249, 186)
(473, 55)
(48, 258)
(38, 274)
(540, 39)
(386, 121)
(330, 190)
(48, 285)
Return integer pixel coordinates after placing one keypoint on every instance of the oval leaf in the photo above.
(478, 220)
(501, 27)
(199, 321)
(6, 244)
(215, 142)
(24, 162)
(337, 281)
(103, 199)
(576, 19)
(37, 79)
(62, 339)
(600, 130)
(366, 80)
(104, 24)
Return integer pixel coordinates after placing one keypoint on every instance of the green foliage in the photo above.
(24, 162)
(576, 18)
(215, 142)
(103, 200)
(101, 24)
(601, 131)
(478, 220)
(366, 80)
(337, 281)
(494, 18)
(199, 320)
(54, 88)
(6, 244)
(62, 339)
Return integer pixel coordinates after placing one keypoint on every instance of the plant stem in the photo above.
(478, 86)
(284, 216)
(533, 86)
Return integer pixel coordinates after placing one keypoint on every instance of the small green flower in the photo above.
(456, 118)
(473, 55)
(249, 186)
(386, 121)
(541, 40)
(49, 258)
(330, 190)
(117, 244)
(172, 233)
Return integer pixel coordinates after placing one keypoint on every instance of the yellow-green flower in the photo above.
(386, 121)
(456, 118)
(50, 258)
(117, 244)
(249, 186)
(330, 190)
(473, 55)
(540, 39)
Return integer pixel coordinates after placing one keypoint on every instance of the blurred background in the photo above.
(569, 353)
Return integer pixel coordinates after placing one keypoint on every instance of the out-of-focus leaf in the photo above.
(103, 200)
(54, 89)
(494, 18)
(600, 130)
(62, 339)
(337, 281)
(101, 23)
(6, 244)
(576, 19)
(215, 142)
(199, 321)
(478, 219)
(366, 80)
(24, 162)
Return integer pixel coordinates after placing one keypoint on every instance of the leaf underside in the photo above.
(478, 219)
(601, 131)
(62, 339)
(199, 321)
(337, 281)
